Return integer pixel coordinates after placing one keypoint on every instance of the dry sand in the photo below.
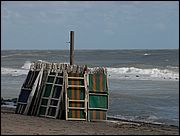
(16, 124)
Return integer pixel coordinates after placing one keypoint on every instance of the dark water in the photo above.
(143, 84)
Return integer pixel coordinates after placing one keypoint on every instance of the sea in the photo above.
(143, 84)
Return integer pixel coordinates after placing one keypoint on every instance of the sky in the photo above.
(96, 24)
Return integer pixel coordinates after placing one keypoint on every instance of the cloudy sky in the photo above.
(97, 24)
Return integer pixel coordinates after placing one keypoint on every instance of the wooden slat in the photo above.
(76, 119)
(54, 99)
(98, 109)
(45, 98)
(76, 86)
(86, 96)
(49, 83)
(53, 106)
(58, 85)
(75, 77)
(76, 108)
(43, 106)
(51, 75)
(76, 100)
(99, 94)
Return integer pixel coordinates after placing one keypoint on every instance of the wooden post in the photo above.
(71, 47)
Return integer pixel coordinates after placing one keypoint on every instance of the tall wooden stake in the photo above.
(71, 47)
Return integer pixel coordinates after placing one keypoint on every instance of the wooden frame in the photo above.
(70, 100)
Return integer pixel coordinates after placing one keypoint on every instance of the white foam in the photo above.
(13, 71)
(26, 65)
(146, 54)
(142, 74)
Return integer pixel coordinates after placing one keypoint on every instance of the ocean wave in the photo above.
(130, 73)
(146, 54)
(26, 65)
(13, 71)
(16, 72)
(6, 56)
(142, 74)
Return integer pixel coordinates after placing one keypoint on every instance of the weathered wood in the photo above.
(72, 48)
(86, 96)
(42, 94)
(36, 84)
(51, 93)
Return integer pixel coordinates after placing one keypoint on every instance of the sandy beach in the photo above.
(16, 124)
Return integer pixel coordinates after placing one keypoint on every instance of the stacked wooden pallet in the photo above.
(64, 91)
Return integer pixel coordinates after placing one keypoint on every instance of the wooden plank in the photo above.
(86, 94)
(39, 93)
(76, 108)
(38, 80)
(76, 86)
(45, 98)
(66, 98)
(49, 83)
(76, 119)
(53, 106)
(105, 94)
(97, 109)
(58, 85)
(76, 100)
(51, 75)
(54, 99)
(75, 77)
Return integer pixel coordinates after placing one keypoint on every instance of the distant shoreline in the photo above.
(81, 49)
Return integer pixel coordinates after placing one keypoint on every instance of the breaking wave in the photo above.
(146, 54)
(13, 71)
(26, 65)
(142, 74)
(130, 73)
(16, 72)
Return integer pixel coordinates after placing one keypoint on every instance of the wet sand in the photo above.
(16, 124)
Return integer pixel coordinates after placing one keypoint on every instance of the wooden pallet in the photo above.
(52, 96)
(27, 92)
(35, 89)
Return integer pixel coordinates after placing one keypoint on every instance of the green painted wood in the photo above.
(98, 101)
